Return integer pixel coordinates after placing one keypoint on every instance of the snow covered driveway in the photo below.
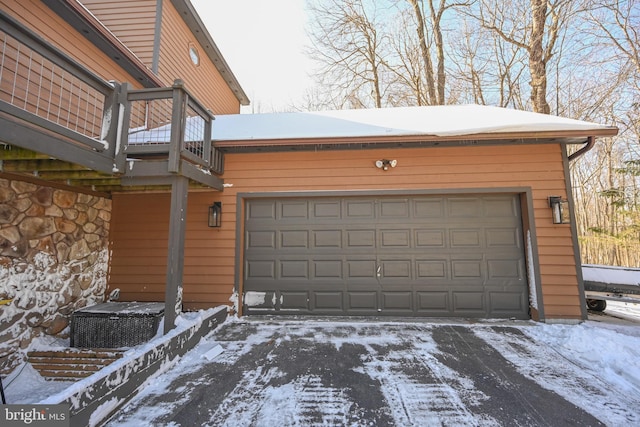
(361, 373)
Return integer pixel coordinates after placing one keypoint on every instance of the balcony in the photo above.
(63, 124)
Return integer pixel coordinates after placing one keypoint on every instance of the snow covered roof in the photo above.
(435, 121)
(382, 125)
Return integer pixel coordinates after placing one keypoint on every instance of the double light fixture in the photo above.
(385, 164)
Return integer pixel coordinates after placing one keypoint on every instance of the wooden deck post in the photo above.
(175, 253)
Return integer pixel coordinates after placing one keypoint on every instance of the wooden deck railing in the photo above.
(51, 104)
(42, 86)
(170, 122)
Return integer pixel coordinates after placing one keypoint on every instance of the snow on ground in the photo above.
(592, 365)
(623, 310)
(605, 350)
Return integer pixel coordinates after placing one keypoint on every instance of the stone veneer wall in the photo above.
(53, 260)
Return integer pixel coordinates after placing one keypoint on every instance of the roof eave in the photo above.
(566, 137)
(90, 27)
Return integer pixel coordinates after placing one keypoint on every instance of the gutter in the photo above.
(591, 141)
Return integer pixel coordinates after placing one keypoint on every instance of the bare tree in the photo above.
(491, 69)
(533, 27)
(347, 40)
(435, 76)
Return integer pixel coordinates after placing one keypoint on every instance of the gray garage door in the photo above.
(394, 256)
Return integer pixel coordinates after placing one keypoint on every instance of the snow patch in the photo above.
(533, 291)
(252, 298)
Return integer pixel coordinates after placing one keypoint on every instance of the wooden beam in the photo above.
(74, 175)
(198, 175)
(40, 165)
(12, 152)
(93, 182)
(175, 255)
(41, 140)
(136, 189)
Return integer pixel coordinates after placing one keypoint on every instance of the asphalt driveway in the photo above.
(314, 372)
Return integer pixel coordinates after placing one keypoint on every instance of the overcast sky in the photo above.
(263, 43)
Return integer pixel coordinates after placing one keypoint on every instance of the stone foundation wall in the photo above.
(53, 260)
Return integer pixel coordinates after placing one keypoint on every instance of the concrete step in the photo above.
(71, 364)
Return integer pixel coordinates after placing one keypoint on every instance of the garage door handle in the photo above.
(378, 271)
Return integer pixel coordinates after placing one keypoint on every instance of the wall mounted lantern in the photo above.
(215, 214)
(560, 210)
(385, 164)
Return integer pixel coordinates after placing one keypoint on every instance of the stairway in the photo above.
(71, 364)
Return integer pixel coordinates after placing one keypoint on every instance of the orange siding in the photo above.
(133, 22)
(40, 19)
(140, 241)
(139, 245)
(204, 81)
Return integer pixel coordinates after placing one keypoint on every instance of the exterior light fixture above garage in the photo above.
(385, 164)
(560, 210)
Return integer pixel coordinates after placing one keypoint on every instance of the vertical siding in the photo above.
(133, 22)
(204, 80)
(40, 19)
(210, 253)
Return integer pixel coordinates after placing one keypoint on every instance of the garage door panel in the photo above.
(360, 209)
(433, 303)
(431, 238)
(327, 269)
(464, 207)
(498, 207)
(261, 209)
(395, 238)
(326, 209)
(326, 239)
(294, 300)
(365, 301)
(507, 270)
(394, 209)
(395, 269)
(507, 302)
(361, 239)
(294, 210)
(468, 302)
(294, 239)
(359, 269)
(261, 240)
(465, 238)
(260, 269)
(503, 238)
(397, 301)
(429, 208)
(466, 269)
(422, 256)
(328, 301)
(432, 269)
(294, 269)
